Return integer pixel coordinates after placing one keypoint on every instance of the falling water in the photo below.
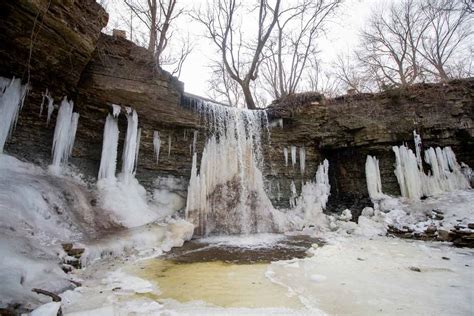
(227, 194)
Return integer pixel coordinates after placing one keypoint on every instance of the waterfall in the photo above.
(156, 145)
(108, 160)
(372, 176)
(130, 149)
(64, 134)
(294, 194)
(227, 194)
(12, 96)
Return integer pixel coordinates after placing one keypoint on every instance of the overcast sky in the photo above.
(341, 37)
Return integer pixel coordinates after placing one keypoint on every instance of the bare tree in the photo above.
(347, 71)
(448, 25)
(241, 56)
(389, 44)
(158, 16)
(294, 44)
(224, 88)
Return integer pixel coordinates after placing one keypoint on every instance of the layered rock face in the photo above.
(71, 57)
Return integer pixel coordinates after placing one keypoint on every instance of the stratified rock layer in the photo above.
(71, 57)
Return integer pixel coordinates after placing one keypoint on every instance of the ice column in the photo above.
(293, 156)
(108, 160)
(372, 176)
(169, 145)
(130, 150)
(293, 195)
(302, 160)
(64, 133)
(156, 144)
(12, 95)
(285, 154)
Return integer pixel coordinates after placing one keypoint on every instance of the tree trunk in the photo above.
(248, 96)
(153, 31)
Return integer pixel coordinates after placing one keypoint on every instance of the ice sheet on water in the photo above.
(265, 240)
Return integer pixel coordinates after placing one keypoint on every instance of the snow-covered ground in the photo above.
(359, 272)
(40, 210)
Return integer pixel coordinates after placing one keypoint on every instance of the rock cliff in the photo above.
(58, 45)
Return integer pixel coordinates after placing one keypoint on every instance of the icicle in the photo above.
(418, 149)
(293, 195)
(116, 109)
(139, 135)
(169, 145)
(130, 147)
(108, 160)
(285, 154)
(194, 141)
(302, 160)
(372, 176)
(278, 191)
(64, 133)
(156, 144)
(293, 156)
(12, 96)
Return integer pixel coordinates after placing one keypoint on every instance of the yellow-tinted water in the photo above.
(217, 283)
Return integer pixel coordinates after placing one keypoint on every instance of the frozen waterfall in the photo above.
(372, 176)
(156, 145)
(64, 134)
(445, 173)
(130, 149)
(12, 95)
(285, 154)
(108, 161)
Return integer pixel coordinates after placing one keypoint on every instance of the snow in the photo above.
(108, 160)
(64, 134)
(359, 276)
(127, 200)
(49, 309)
(156, 145)
(12, 95)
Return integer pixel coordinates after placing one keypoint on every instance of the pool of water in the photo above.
(224, 273)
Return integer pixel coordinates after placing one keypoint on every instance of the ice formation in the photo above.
(169, 145)
(50, 105)
(156, 144)
(285, 154)
(372, 176)
(64, 133)
(445, 173)
(314, 196)
(302, 160)
(12, 95)
(418, 149)
(294, 194)
(195, 140)
(293, 156)
(108, 160)
(130, 150)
